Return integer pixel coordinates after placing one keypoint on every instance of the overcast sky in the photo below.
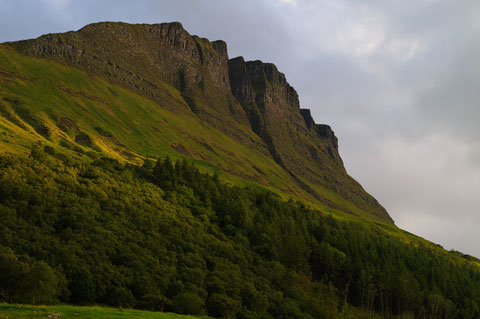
(398, 81)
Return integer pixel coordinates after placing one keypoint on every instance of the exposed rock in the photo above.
(241, 85)
(307, 116)
(83, 139)
(67, 125)
(308, 151)
(325, 131)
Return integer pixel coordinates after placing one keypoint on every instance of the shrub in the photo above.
(222, 306)
(188, 304)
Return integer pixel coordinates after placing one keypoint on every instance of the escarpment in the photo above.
(152, 60)
(249, 101)
(308, 151)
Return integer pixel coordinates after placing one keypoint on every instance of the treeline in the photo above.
(167, 237)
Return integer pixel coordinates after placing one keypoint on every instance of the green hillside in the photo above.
(167, 237)
(58, 105)
(141, 168)
(185, 85)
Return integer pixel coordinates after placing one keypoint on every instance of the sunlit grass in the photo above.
(25, 311)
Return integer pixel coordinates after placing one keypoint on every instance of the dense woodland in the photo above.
(167, 237)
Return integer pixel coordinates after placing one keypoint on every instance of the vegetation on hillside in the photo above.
(131, 90)
(63, 106)
(167, 237)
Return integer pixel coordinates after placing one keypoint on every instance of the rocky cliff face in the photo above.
(274, 112)
(308, 151)
(164, 62)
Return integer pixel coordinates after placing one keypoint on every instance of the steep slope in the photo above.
(256, 129)
(308, 151)
(144, 58)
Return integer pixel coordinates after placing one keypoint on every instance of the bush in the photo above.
(153, 302)
(222, 306)
(120, 297)
(188, 304)
(11, 272)
(41, 285)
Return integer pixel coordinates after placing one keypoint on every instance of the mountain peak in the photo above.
(251, 102)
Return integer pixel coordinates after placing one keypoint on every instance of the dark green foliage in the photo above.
(167, 237)
(153, 302)
(11, 272)
(82, 286)
(188, 304)
(33, 282)
(222, 306)
(40, 284)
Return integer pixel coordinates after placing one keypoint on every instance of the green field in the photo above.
(24, 311)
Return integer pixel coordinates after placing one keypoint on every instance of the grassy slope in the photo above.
(24, 311)
(138, 127)
(131, 126)
(137, 124)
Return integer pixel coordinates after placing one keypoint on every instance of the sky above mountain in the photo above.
(398, 81)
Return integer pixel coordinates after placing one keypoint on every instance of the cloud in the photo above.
(290, 2)
(56, 4)
(423, 179)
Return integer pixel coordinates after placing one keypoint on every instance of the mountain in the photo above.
(250, 104)
(142, 168)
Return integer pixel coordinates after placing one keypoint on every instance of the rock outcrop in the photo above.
(308, 151)
(150, 59)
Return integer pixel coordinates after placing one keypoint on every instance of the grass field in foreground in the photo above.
(24, 311)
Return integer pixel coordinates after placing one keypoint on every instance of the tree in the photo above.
(11, 272)
(153, 302)
(189, 304)
(41, 285)
(222, 306)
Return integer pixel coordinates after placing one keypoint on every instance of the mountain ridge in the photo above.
(232, 95)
